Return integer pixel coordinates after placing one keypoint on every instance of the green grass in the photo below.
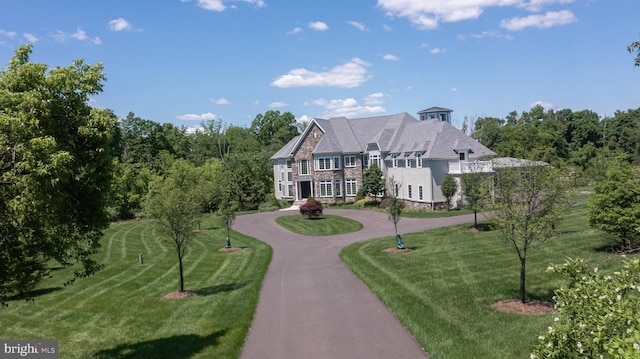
(443, 290)
(325, 225)
(117, 313)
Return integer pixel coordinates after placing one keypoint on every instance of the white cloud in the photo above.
(374, 99)
(318, 26)
(541, 21)
(212, 5)
(120, 24)
(538, 5)
(256, 102)
(390, 57)
(277, 104)
(453, 89)
(545, 105)
(348, 107)
(195, 117)
(303, 119)
(193, 129)
(79, 35)
(9, 34)
(294, 31)
(30, 37)
(358, 25)
(386, 28)
(494, 34)
(349, 75)
(220, 101)
(219, 5)
(427, 14)
(437, 50)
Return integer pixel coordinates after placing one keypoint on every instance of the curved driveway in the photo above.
(312, 307)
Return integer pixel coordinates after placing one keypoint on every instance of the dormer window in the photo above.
(463, 156)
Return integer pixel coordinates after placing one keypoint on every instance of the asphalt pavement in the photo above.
(312, 307)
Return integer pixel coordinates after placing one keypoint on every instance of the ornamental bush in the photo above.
(311, 209)
(598, 315)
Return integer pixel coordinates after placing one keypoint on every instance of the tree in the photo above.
(312, 208)
(448, 187)
(635, 47)
(174, 203)
(372, 182)
(273, 129)
(393, 207)
(475, 190)
(597, 314)
(528, 204)
(615, 204)
(245, 179)
(228, 215)
(55, 170)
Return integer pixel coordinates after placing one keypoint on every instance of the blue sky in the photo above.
(185, 61)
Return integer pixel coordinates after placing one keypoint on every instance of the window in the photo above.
(290, 190)
(419, 160)
(462, 156)
(303, 167)
(395, 161)
(409, 190)
(365, 161)
(279, 186)
(324, 163)
(397, 189)
(289, 176)
(325, 188)
(338, 188)
(288, 163)
(336, 163)
(349, 161)
(374, 159)
(420, 193)
(351, 186)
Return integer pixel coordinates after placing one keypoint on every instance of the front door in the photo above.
(305, 190)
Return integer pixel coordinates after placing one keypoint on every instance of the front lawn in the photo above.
(443, 290)
(324, 225)
(118, 313)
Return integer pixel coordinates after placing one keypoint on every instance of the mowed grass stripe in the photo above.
(118, 311)
(444, 289)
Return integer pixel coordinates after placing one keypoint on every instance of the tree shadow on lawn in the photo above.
(176, 347)
(220, 288)
(30, 296)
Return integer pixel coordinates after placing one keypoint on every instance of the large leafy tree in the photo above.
(615, 204)
(635, 47)
(245, 179)
(174, 202)
(528, 204)
(274, 129)
(55, 169)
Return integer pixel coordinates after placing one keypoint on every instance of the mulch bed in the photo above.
(179, 295)
(528, 307)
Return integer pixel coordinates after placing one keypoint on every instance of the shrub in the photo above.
(283, 203)
(311, 209)
(360, 195)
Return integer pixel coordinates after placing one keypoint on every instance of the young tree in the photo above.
(55, 170)
(312, 208)
(475, 190)
(174, 203)
(528, 204)
(372, 182)
(394, 206)
(615, 204)
(449, 187)
(228, 215)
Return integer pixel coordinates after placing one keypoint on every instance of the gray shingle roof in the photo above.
(400, 133)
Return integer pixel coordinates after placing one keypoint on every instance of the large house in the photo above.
(328, 159)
